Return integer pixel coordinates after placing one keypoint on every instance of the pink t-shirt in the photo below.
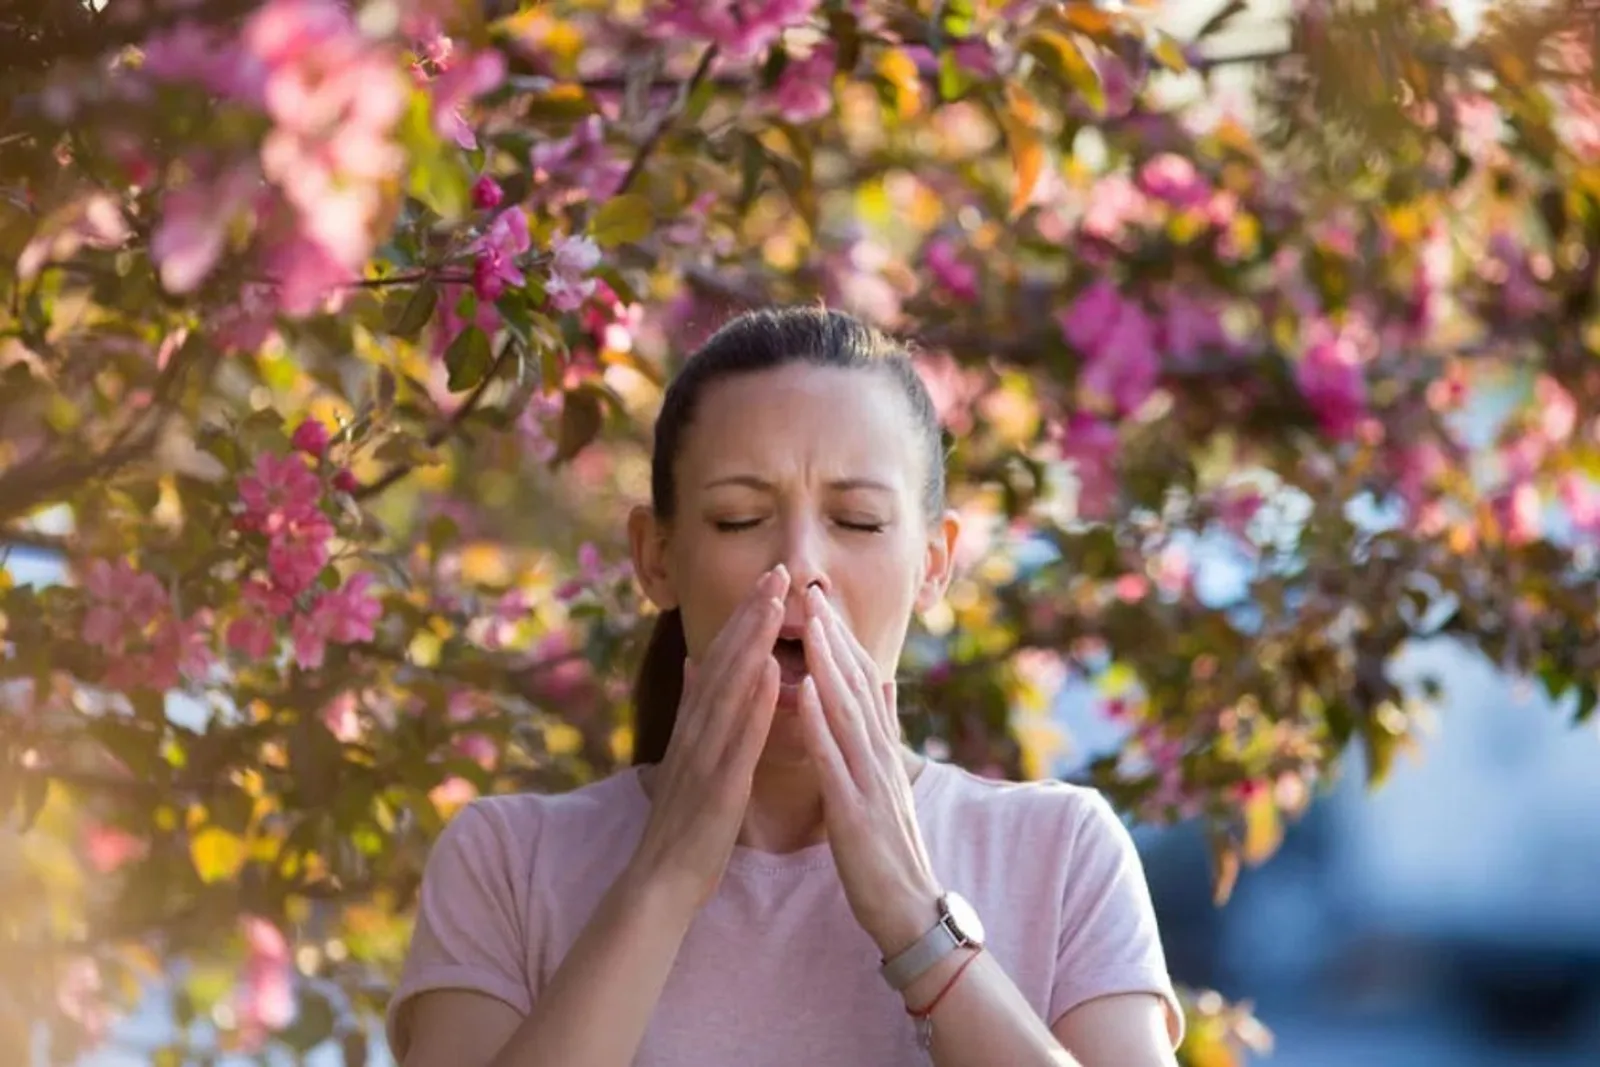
(774, 969)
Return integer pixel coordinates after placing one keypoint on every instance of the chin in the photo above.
(786, 743)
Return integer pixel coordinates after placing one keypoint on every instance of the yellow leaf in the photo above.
(900, 71)
(1027, 150)
(562, 739)
(217, 854)
(1169, 53)
(1263, 828)
(621, 219)
(1062, 57)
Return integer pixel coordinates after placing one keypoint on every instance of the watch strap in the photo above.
(929, 949)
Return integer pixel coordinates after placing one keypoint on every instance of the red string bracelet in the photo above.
(924, 1016)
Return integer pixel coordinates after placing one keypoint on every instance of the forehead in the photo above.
(801, 420)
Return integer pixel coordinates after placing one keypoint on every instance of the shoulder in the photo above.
(1073, 816)
(508, 829)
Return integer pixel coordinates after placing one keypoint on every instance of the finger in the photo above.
(839, 703)
(734, 655)
(891, 710)
(858, 668)
(748, 742)
(727, 697)
(820, 743)
(732, 641)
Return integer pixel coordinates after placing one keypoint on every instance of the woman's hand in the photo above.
(852, 732)
(702, 786)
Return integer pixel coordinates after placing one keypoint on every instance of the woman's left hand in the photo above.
(852, 733)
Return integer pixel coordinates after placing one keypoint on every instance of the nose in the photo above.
(804, 554)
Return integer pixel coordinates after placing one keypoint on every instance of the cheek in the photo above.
(711, 579)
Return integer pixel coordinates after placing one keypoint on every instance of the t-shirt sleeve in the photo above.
(1109, 940)
(469, 931)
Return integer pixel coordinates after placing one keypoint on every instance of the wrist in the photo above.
(671, 903)
(903, 925)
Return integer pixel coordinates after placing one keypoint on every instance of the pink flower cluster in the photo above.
(264, 999)
(592, 573)
(1331, 375)
(455, 78)
(334, 97)
(281, 501)
(804, 91)
(133, 621)
(742, 30)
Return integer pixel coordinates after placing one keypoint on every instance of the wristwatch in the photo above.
(958, 927)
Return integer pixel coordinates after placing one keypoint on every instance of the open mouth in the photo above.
(790, 652)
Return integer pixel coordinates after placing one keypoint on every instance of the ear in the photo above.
(647, 544)
(938, 560)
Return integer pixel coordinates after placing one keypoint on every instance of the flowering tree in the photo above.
(331, 332)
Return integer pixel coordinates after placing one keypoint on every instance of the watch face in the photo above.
(964, 918)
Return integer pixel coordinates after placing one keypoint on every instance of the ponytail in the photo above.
(658, 688)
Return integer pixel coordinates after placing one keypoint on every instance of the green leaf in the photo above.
(406, 313)
(622, 219)
(468, 359)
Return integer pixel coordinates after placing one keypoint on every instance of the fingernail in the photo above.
(782, 572)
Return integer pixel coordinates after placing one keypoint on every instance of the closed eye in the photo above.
(735, 525)
(863, 527)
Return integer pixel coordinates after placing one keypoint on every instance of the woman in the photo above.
(779, 880)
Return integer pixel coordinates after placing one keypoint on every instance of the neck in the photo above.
(785, 809)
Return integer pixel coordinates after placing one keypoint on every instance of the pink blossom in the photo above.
(281, 492)
(245, 326)
(957, 277)
(533, 425)
(310, 437)
(581, 166)
(574, 257)
(1091, 446)
(297, 552)
(308, 636)
(742, 31)
(448, 324)
(342, 718)
(1114, 203)
(344, 616)
(1189, 326)
(351, 611)
(265, 1000)
(1123, 369)
(1173, 570)
(1330, 377)
(1090, 316)
(345, 481)
(803, 92)
(109, 849)
(252, 634)
(1558, 411)
(80, 994)
(192, 226)
(486, 193)
(1173, 178)
(306, 274)
(497, 250)
(954, 389)
(122, 600)
(1580, 496)
(459, 82)
(1520, 513)
(1520, 293)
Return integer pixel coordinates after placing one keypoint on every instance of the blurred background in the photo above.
(1450, 917)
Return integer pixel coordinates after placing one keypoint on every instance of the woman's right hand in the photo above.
(701, 787)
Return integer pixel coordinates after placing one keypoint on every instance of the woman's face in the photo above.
(817, 468)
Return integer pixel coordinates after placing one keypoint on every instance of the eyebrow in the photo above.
(750, 481)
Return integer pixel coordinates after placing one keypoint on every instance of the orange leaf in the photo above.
(1027, 149)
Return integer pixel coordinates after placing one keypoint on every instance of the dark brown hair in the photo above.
(752, 342)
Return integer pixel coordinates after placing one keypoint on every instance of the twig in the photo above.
(650, 142)
(438, 436)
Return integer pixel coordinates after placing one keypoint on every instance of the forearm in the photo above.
(596, 1006)
(983, 1019)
